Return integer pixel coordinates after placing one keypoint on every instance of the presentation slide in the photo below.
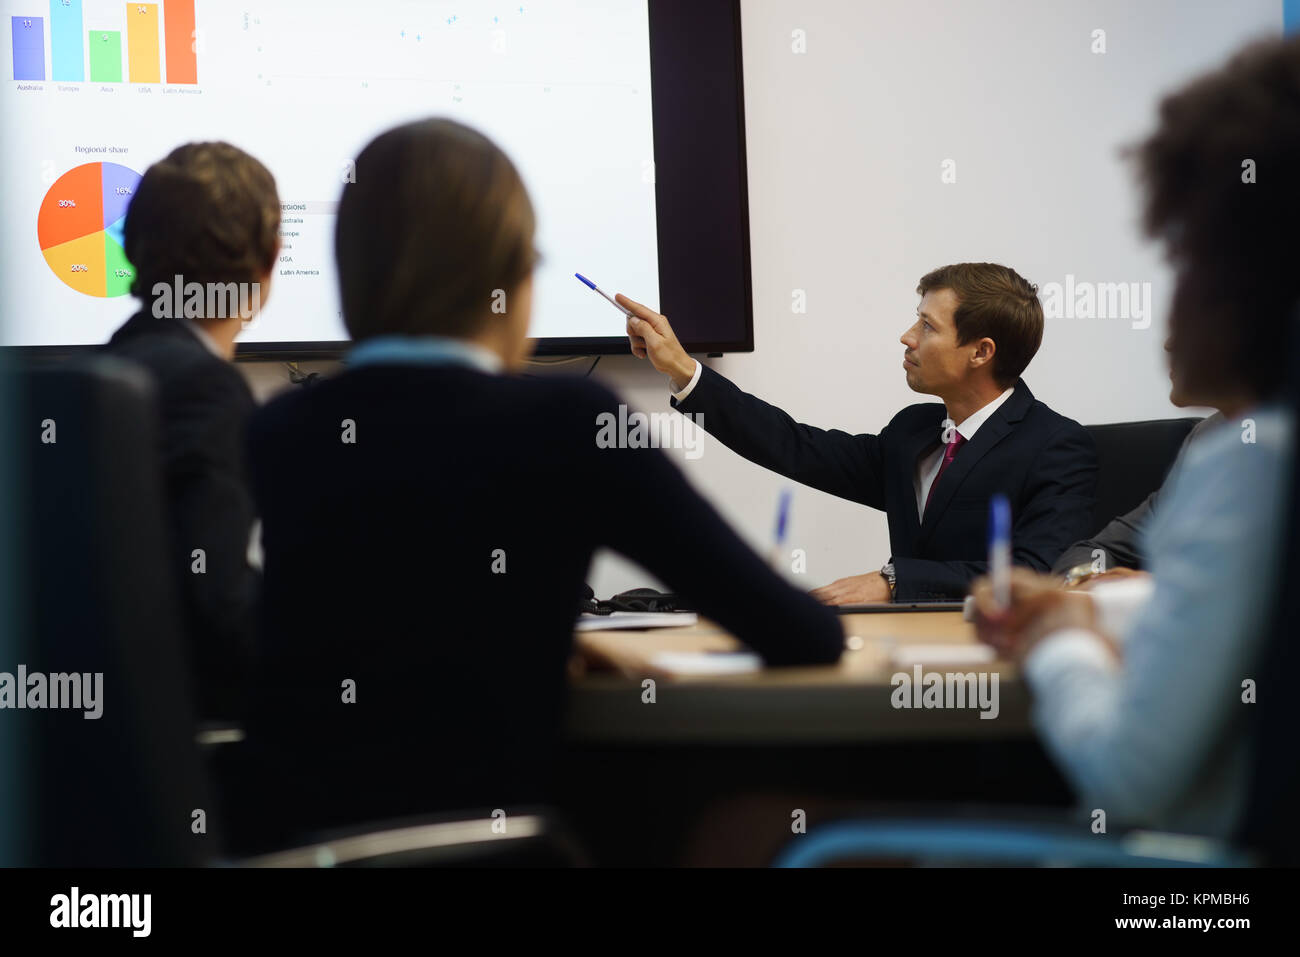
(99, 89)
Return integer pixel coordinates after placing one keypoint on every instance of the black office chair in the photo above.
(120, 790)
(1133, 459)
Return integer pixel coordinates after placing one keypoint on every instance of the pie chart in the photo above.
(80, 228)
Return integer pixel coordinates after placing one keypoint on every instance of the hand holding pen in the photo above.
(650, 336)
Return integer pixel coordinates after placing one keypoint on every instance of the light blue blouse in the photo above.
(1160, 738)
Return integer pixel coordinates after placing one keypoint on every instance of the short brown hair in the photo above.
(1224, 232)
(997, 302)
(209, 213)
(436, 220)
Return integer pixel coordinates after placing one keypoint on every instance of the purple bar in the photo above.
(29, 48)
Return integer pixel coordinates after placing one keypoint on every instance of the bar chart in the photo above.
(107, 42)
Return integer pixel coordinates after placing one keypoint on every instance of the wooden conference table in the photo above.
(846, 703)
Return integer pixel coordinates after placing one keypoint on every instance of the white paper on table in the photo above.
(637, 619)
(706, 663)
(937, 654)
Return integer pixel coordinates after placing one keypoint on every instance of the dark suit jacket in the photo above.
(1044, 463)
(204, 405)
(438, 562)
(1121, 539)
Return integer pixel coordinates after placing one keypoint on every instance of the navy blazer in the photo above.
(382, 563)
(1043, 462)
(204, 406)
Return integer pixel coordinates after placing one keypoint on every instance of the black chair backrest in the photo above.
(13, 791)
(1133, 459)
(1270, 824)
(100, 597)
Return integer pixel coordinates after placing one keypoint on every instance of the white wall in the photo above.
(845, 144)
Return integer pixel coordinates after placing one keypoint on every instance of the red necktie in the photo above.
(949, 452)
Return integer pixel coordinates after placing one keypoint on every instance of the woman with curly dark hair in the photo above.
(1143, 690)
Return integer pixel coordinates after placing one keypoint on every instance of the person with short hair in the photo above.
(202, 234)
(934, 467)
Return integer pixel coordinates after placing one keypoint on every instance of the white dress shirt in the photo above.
(928, 467)
(690, 386)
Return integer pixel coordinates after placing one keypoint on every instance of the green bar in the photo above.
(105, 56)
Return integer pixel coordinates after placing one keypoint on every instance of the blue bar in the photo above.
(29, 48)
(67, 46)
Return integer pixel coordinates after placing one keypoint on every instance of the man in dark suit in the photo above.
(933, 468)
(202, 232)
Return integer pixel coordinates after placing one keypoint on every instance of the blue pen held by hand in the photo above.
(592, 285)
(1000, 551)
(782, 523)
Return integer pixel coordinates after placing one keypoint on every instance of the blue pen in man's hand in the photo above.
(592, 285)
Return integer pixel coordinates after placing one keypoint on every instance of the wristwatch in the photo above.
(889, 575)
(1079, 574)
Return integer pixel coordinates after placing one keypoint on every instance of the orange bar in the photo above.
(178, 24)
